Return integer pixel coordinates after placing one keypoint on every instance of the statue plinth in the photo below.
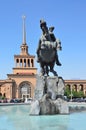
(49, 96)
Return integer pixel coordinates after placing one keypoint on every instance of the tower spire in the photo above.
(24, 30)
(24, 46)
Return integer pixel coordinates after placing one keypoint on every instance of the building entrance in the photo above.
(25, 90)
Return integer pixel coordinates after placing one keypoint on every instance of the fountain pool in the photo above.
(16, 117)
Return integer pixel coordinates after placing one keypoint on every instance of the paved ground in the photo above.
(9, 104)
(76, 103)
(69, 104)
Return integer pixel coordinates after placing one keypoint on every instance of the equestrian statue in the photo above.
(47, 50)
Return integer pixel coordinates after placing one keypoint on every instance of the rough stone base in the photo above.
(48, 106)
(48, 97)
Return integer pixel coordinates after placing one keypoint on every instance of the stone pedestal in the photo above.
(49, 96)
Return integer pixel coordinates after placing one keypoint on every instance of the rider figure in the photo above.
(49, 36)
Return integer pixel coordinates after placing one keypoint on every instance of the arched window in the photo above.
(68, 86)
(0, 94)
(75, 87)
(81, 87)
(4, 95)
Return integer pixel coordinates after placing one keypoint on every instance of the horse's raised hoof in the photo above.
(58, 63)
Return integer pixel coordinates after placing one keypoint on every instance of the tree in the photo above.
(67, 92)
(78, 94)
(75, 94)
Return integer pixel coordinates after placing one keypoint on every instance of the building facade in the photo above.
(76, 85)
(21, 83)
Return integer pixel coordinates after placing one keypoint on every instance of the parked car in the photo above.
(78, 100)
(15, 101)
(5, 100)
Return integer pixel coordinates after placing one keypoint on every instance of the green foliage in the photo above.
(75, 94)
(78, 94)
(2, 97)
(67, 92)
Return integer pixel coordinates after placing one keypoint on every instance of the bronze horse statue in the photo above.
(47, 50)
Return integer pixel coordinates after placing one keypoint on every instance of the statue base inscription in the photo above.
(49, 96)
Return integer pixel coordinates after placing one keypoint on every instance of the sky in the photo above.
(67, 16)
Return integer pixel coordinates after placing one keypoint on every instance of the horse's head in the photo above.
(59, 47)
